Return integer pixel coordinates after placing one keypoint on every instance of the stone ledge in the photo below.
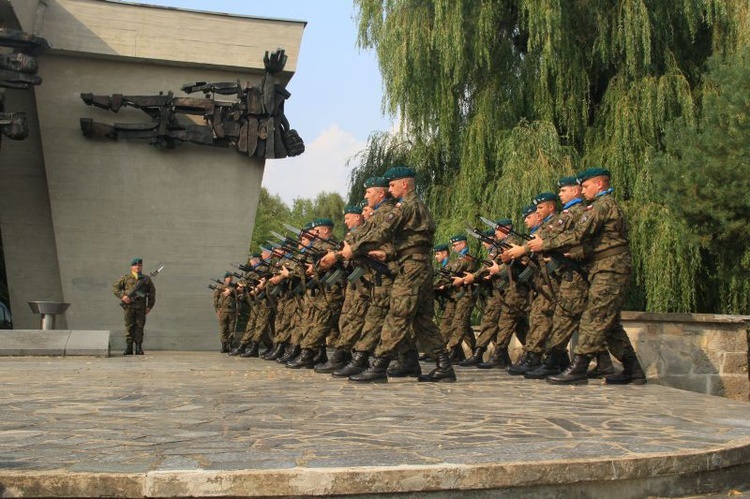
(665, 317)
(696, 472)
(55, 342)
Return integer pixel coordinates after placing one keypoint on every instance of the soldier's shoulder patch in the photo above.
(560, 221)
(590, 207)
(397, 205)
(390, 217)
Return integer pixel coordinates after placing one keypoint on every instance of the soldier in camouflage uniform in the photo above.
(354, 308)
(411, 228)
(542, 305)
(488, 327)
(380, 205)
(457, 327)
(602, 232)
(225, 306)
(323, 303)
(137, 307)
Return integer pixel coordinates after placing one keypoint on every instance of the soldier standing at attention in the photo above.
(411, 228)
(225, 305)
(603, 231)
(136, 306)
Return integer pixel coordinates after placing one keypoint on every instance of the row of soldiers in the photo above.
(370, 297)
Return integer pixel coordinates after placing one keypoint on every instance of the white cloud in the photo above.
(322, 167)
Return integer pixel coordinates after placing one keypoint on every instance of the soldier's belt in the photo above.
(414, 250)
(617, 250)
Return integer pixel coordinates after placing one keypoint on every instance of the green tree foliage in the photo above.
(706, 171)
(273, 213)
(500, 98)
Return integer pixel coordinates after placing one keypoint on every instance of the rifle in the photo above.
(142, 280)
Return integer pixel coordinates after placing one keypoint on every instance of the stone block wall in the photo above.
(703, 353)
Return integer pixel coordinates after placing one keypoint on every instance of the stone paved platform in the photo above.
(177, 424)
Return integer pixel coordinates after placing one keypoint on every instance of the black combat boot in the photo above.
(275, 353)
(306, 359)
(575, 374)
(555, 363)
(457, 354)
(251, 351)
(224, 347)
(376, 373)
(139, 348)
(338, 360)
(406, 365)
(529, 362)
(499, 360)
(357, 365)
(128, 348)
(632, 372)
(475, 359)
(321, 356)
(603, 367)
(442, 373)
(239, 350)
(291, 352)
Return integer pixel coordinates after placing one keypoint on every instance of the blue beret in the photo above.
(398, 172)
(544, 197)
(591, 173)
(567, 181)
(326, 222)
(136, 261)
(441, 247)
(457, 238)
(504, 222)
(350, 208)
(528, 210)
(376, 182)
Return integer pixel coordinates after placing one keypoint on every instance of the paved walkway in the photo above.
(187, 423)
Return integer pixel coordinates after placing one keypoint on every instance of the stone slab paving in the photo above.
(170, 424)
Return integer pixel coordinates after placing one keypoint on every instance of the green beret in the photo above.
(266, 248)
(457, 238)
(376, 182)
(441, 247)
(544, 197)
(528, 210)
(227, 274)
(325, 222)
(308, 226)
(399, 172)
(350, 208)
(504, 222)
(591, 173)
(255, 255)
(489, 233)
(136, 261)
(567, 181)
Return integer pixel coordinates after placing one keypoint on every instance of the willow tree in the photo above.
(499, 98)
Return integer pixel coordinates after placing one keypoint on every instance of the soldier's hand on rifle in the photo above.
(457, 281)
(515, 251)
(126, 299)
(328, 260)
(378, 255)
(535, 244)
(468, 278)
(309, 269)
(346, 251)
(495, 268)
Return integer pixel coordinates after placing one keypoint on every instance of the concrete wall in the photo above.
(75, 211)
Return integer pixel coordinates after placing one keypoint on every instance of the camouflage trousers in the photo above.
(571, 300)
(377, 310)
(135, 321)
(514, 317)
(247, 336)
(319, 321)
(460, 324)
(600, 325)
(263, 324)
(412, 308)
(540, 320)
(446, 320)
(352, 318)
(227, 322)
(489, 326)
(287, 313)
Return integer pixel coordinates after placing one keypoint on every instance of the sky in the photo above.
(336, 92)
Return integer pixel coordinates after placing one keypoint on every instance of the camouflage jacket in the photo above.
(144, 297)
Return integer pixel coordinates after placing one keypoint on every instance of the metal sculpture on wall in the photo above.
(254, 123)
(18, 70)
